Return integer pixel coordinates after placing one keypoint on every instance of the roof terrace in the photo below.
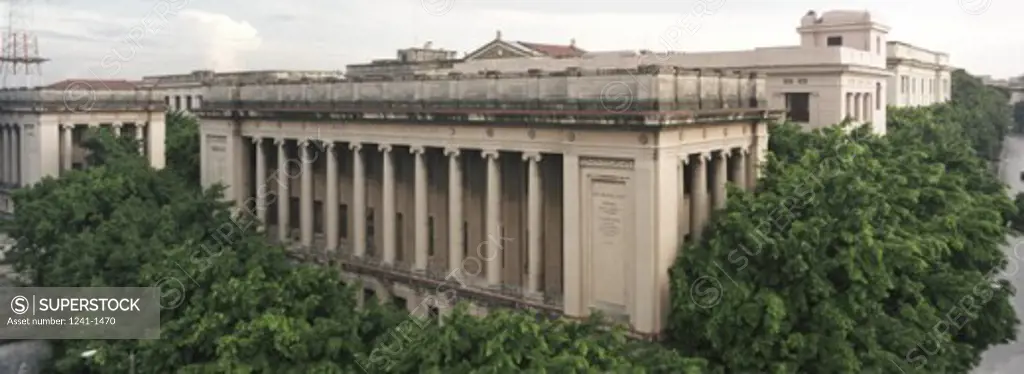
(645, 95)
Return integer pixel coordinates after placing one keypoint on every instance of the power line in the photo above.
(21, 64)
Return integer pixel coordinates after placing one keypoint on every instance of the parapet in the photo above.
(644, 88)
(79, 99)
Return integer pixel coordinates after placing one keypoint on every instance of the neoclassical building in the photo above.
(41, 129)
(562, 192)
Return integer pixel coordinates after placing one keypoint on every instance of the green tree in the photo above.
(982, 113)
(513, 342)
(182, 149)
(858, 253)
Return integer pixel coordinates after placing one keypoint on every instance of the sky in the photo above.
(115, 39)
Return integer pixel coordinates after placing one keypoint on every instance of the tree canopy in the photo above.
(858, 253)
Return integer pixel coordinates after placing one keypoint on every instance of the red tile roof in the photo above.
(93, 84)
(554, 50)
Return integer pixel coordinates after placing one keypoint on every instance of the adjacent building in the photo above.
(534, 190)
(42, 129)
(920, 77)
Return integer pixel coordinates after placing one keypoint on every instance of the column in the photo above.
(332, 198)
(283, 195)
(684, 214)
(261, 181)
(718, 187)
(740, 170)
(420, 197)
(306, 195)
(856, 107)
(533, 216)
(16, 148)
(699, 209)
(117, 129)
(867, 107)
(455, 252)
(68, 146)
(3, 154)
(140, 129)
(388, 204)
(8, 152)
(358, 201)
(492, 222)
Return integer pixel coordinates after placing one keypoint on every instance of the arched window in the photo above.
(878, 95)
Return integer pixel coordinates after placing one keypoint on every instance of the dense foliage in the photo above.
(1018, 115)
(235, 303)
(183, 146)
(858, 253)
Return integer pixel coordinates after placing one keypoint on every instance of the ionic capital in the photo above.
(451, 151)
(385, 148)
(329, 146)
(489, 153)
(355, 147)
(417, 150)
(279, 142)
(531, 156)
(303, 143)
(257, 140)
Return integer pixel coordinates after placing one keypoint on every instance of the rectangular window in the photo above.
(399, 230)
(343, 221)
(834, 41)
(430, 236)
(798, 106)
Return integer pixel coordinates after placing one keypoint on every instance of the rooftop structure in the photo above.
(184, 92)
(562, 192)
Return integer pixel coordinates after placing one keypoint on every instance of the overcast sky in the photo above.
(131, 38)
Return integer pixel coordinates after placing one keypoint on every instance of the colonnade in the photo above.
(713, 170)
(10, 155)
(860, 106)
(67, 145)
(490, 251)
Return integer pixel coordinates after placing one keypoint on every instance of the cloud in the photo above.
(217, 40)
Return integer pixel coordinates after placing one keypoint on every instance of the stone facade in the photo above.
(492, 189)
(920, 77)
(41, 130)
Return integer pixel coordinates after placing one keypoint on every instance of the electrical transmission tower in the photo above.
(21, 65)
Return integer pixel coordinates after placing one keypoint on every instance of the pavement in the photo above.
(1009, 358)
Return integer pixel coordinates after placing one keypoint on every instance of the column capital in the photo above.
(703, 156)
(724, 153)
(257, 140)
(329, 146)
(117, 125)
(685, 158)
(489, 153)
(417, 149)
(279, 142)
(385, 148)
(63, 126)
(451, 151)
(745, 150)
(303, 143)
(531, 156)
(355, 147)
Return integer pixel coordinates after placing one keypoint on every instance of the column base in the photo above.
(533, 296)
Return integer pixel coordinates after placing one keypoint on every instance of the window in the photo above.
(878, 45)
(343, 219)
(465, 239)
(878, 96)
(834, 41)
(399, 229)
(430, 236)
(798, 106)
(402, 303)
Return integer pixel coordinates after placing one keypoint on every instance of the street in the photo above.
(1009, 358)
